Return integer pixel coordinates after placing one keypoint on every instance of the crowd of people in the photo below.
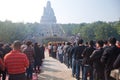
(94, 60)
(20, 59)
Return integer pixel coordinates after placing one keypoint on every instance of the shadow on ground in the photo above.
(50, 69)
(47, 64)
(49, 60)
(48, 77)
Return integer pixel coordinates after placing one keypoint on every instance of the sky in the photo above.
(66, 11)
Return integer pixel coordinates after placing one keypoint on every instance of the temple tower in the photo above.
(48, 15)
(48, 22)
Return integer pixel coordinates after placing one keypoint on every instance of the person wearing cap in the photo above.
(16, 62)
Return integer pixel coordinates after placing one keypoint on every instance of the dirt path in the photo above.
(54, 70)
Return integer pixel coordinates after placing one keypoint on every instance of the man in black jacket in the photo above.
(117, 62)
(73, 59)
(98, 67)
(109, 56)
(78, 58)
(86, 61)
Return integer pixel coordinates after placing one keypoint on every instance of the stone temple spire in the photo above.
(48, 15)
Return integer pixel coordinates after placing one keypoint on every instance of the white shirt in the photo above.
(60, 50)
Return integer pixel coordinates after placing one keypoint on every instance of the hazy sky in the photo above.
(66, 11)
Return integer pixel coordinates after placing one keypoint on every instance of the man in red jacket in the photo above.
(16, 62)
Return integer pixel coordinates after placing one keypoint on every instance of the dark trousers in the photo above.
(98, 74)
(30, 71)
(17, 76)
(107, 74)
(54, 55)
(79, 68)
(73, 66)
(65, 58)
(70, 62)
(60, 57)
(87, 69)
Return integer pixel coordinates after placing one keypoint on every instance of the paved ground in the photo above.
(54, 70)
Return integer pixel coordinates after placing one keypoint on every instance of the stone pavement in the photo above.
(54, 70)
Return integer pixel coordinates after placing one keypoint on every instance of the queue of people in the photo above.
(20, 60)
(94, 60)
